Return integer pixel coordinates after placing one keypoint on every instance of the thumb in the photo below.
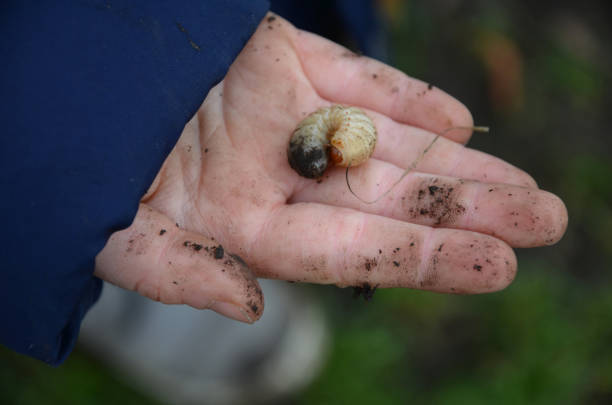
(165, 263)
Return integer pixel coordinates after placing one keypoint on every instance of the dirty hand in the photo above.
(226, 195)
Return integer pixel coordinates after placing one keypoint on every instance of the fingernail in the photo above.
(232, 311)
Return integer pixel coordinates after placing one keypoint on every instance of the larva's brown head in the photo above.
(335, 155)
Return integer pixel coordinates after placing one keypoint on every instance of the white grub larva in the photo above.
(346, 135)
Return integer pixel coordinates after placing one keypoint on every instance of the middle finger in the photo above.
(521, 216)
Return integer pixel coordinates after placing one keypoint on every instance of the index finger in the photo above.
(342, 76)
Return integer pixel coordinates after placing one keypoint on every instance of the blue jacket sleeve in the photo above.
(95, 94)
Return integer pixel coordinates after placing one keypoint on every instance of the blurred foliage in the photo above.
(540, 77)
(80, 380)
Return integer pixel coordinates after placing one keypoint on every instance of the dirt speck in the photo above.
(370, 263)
(437, 202)
(188, 37)
(365, 290)
(162, 231)
(477, 267)
(137, 244)
(195, 246)
(218, 252)
(396, 264)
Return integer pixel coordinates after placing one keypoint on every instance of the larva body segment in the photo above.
(346, 135)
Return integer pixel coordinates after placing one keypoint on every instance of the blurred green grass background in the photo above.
(540, 77)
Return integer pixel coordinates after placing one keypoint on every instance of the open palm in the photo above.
(226, 207)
